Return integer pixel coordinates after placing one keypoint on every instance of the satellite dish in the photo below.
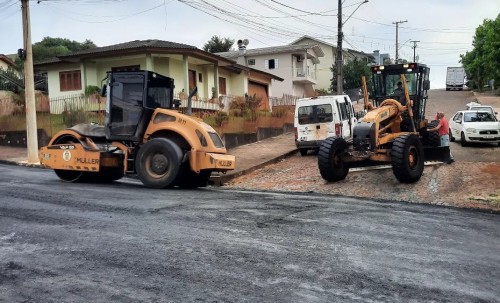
(245, 42)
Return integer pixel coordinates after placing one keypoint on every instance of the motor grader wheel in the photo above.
(432, 138)
(330, 163)
(407, 158)
(158, 162)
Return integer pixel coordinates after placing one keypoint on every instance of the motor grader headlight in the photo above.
(471, 130)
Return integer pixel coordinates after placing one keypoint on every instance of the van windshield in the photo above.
(315, 114)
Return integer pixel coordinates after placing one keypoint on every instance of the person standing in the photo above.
(443, 131)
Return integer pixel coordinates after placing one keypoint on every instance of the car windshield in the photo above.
(479, 117)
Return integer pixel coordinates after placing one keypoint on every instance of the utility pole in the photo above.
(340, 61)
(414, 47)
(397, 47)
(29, 87)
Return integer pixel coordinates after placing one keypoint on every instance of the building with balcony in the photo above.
(324, 73)
(296, 64)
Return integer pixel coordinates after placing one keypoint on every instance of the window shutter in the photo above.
(266, 64)
(276, 63)
(62, 82)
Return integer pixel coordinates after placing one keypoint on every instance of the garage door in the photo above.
(260, 90)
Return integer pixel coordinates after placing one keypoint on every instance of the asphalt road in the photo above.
(122, 242)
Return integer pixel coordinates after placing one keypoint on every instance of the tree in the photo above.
(217, 44)
(482, 63)
(53, 47)
(353, 71)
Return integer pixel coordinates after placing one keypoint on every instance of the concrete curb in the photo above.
(221, 179)
(20, 163)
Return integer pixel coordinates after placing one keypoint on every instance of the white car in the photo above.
(478, 107)
(474, 126)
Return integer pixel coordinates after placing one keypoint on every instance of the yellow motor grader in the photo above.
(143, 134)
(394, 129)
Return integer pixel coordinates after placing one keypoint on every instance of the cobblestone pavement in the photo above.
(461, 184)
(473, 181)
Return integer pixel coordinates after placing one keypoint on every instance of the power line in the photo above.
(414, 48)
(108, 21)
(397, 48)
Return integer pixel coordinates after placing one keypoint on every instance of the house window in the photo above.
(127, 68)
(70, 80)
(200, 77)
(222, 85)
(271, 64)
(251, 61)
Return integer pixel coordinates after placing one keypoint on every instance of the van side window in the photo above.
(343, 111)
(315, 114)
(350, 107)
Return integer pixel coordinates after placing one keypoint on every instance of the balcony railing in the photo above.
(304, 75)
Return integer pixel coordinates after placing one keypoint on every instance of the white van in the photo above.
(318, 118)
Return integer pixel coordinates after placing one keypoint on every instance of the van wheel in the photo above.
(158, 163)
(407, 158)
(303, 152)
(330, 163)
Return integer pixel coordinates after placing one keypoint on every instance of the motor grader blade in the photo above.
(440, 153)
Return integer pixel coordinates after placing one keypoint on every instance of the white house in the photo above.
(296, 64)
(6, 63)
(189, 66)
(323, 71)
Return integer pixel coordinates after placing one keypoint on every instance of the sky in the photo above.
(445, 28)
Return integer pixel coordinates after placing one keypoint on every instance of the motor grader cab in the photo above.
(394, 129)
(143, 134)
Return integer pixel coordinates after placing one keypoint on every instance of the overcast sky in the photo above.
(445, 28)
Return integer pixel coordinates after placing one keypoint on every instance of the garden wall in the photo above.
(18, 138)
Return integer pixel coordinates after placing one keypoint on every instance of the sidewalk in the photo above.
(248, 157)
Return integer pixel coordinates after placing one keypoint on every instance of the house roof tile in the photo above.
(144, 46)
(136, 44)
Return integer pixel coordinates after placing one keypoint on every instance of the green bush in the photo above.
(73, 116)
(220, 117)
(92, 89)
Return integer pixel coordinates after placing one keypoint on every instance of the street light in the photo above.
(340, 35)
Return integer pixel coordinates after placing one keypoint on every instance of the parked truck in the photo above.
(455, 77)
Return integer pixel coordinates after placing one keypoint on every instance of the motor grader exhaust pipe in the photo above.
(189, 111)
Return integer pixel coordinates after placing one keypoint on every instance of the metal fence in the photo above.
(56, 114)
(284, 100)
